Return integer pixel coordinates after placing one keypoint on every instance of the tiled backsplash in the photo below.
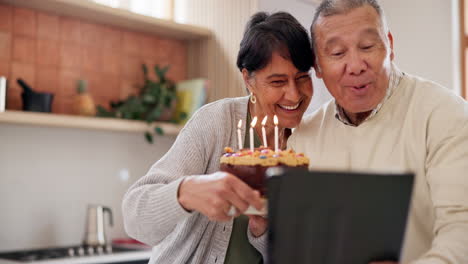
(52, 52)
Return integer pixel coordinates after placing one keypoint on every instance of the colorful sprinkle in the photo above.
(263, 157)
(228, 150)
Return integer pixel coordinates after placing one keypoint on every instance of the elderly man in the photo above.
(384, 119)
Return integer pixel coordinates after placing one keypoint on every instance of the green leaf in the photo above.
(154, 89)
(159, 131)
(102, 112)
(167, 101)
(149, 137)
(149, 98)
(161, 72)
(127, 115)
(154, 114)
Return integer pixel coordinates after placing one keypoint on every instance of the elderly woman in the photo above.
(181, 206)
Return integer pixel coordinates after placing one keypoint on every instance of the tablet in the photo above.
(336, 217)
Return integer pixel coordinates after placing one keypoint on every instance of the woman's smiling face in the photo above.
(281, 89)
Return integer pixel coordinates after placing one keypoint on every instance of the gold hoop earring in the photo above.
(253, 98)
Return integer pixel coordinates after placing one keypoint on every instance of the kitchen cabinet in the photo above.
(116, 17)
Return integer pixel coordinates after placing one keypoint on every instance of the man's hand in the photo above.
(213, 194)
(257, 225)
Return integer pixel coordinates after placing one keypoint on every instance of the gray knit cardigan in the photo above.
(150, 208)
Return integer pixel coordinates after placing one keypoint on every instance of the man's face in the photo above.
(354, 57)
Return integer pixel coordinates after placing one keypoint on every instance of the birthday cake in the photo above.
(250, 166)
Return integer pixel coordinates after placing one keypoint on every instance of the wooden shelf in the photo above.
(114, 16)
(93, 123)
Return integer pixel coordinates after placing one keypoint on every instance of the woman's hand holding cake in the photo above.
(214, 194)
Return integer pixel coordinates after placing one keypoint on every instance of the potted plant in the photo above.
(156, 101)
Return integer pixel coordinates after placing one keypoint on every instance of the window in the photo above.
(155, 8)
(464, 46)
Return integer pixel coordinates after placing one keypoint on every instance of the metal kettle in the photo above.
(95, 234)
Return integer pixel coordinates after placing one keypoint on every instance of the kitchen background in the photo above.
(48, 175)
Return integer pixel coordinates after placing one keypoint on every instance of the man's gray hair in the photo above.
(337, 7)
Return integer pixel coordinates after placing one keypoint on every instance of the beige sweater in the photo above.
(151, 211)
(423, 128)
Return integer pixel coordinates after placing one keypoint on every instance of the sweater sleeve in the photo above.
(447, 177)
(150, 207)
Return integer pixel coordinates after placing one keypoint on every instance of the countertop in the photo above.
(111, 258)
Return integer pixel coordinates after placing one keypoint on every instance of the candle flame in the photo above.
(254, 121)
(264, 120)
(275, 120)
(239, 125)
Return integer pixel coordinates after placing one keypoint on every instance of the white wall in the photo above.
(226, 19)
(49, 175)
(424, 41)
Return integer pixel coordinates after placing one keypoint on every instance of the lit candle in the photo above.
(275, 120)
(239, 136)
(252, 125)
(264, 132)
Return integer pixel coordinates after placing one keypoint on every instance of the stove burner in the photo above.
(60, 253)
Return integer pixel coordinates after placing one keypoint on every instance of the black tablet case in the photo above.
(318, 217)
